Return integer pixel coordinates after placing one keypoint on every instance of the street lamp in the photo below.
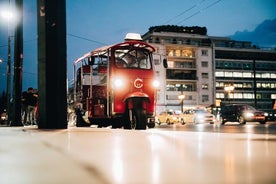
(181, 98)
(8, 16)
(229, 89)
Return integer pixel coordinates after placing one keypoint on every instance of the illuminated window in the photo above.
(170, 64)
(219, 74)
(247, 74)
(248, 95)
(177, 53)
(238, 85)
(170, 53)
(238, 95)
(228, 74)
(219, 95)
(266, 75)
(237, 74)
(204, 86)
(187, 53)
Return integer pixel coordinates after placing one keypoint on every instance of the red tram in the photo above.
(115, 85)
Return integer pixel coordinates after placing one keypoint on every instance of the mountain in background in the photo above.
(263, 36)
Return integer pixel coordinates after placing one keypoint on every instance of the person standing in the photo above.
(24, 107)
(31, 102)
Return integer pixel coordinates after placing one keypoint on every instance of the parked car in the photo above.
(242, 113)
(197, 116)
(168, 117)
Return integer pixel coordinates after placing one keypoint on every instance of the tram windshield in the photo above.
(135, 58)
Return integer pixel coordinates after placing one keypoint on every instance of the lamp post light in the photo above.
(181, 98)
(229, 89)
(8, 15)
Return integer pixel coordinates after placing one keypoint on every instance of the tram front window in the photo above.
(132, 59)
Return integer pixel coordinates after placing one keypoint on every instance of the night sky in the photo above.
(91, 24)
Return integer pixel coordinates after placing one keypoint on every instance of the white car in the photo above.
(197, 116)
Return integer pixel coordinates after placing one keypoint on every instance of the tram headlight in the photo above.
(117, 83)
(156, 83)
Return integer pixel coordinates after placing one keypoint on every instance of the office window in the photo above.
(220, 95)
(219, 74)
(237, 74)
(248, 95)
(228, 74)
(247, 74)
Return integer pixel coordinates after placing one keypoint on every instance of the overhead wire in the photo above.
(194, 14)
(100, 43)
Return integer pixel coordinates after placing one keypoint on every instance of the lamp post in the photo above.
(7, 15)
(181, 98)
(229, 89)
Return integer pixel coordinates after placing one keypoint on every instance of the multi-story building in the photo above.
(204, 68)
(251, 71)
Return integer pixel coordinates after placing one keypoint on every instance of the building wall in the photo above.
(189, 72)
(254, 80)
(213, 64)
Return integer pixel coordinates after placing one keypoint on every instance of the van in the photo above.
(242, 113)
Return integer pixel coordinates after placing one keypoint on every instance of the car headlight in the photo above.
(249, 114)
(199, 116)
(266, 114)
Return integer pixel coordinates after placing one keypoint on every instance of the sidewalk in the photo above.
(100, 155)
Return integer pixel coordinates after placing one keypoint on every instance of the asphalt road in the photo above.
(166, 154)
(229, 127)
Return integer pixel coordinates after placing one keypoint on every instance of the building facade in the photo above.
(211, 71)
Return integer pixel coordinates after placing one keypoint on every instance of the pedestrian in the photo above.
(24, 107)
(31, 102)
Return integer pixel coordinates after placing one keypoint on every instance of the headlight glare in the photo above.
(117, 83)
(249, 114)
(156, 83)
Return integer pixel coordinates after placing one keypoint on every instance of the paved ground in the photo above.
(91, 155)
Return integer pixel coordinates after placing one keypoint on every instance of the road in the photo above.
(167, 154)
(229, 127)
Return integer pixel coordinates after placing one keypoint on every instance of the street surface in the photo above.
(229, 127)
(167, 154)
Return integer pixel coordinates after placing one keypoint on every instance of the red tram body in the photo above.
(115, 85)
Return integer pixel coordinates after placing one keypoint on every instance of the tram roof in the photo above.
(104, 49)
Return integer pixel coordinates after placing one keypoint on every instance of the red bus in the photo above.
(115, 85)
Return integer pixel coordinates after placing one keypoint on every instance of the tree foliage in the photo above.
(179, 29)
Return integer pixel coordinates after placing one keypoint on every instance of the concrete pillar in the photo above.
(52, 100)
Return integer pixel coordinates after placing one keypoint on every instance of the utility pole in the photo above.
(9, 69)
(18, 58)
